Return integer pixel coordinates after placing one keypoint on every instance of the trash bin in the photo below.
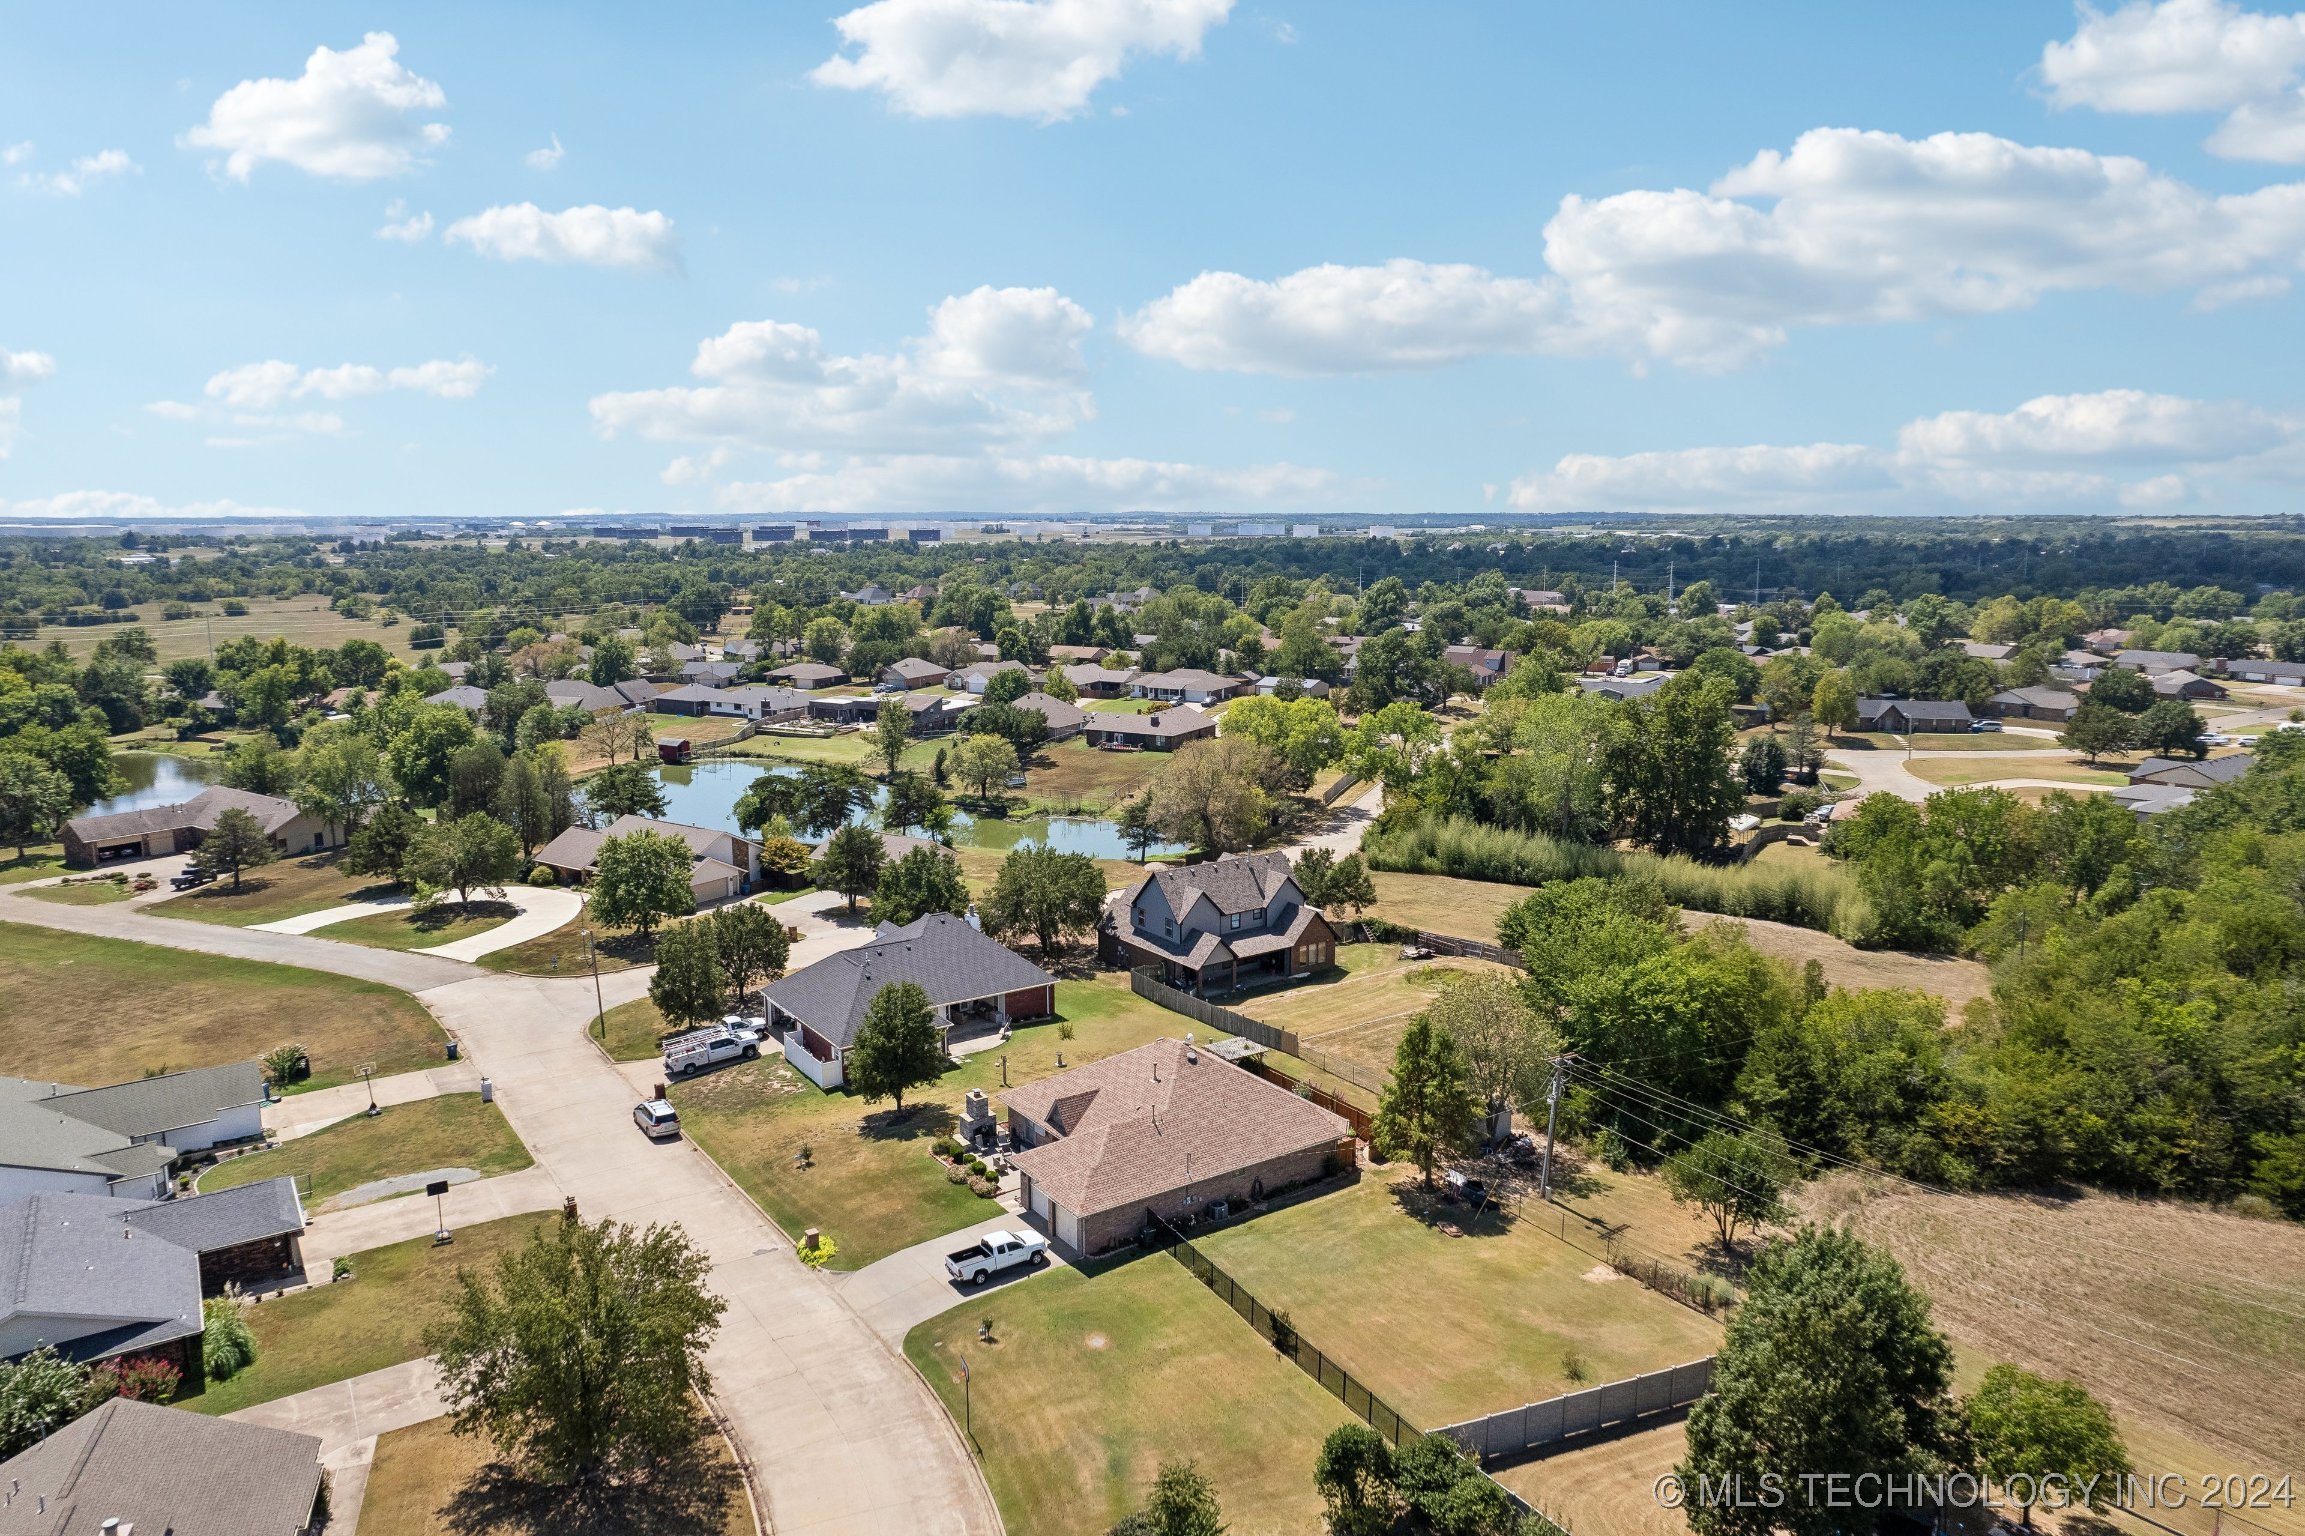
(487, 1091)
(455, 1049)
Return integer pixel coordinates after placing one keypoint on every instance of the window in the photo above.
(1236, 920)
(1169, 928)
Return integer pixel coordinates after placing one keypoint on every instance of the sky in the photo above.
(985, 257)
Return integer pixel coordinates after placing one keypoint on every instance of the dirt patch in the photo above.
(1601, 1274)
(1098, 1341)
(1959, 982)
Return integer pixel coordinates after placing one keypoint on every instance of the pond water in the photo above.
(156, 778)
(705, 795)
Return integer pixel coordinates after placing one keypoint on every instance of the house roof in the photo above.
(1059, 714)
(893, 845)
(196, 814)
(712, 671)
(152, 1105)
(579, 847)
(691, 693)
(1913, 709)
(1984, 651)
(464, 696)
(75, 1275)
(1089, 675)
(1479, 658)
(1160, 722)
(1241, 883)
(1638, 686)
(2215, 770)
(1076, 652)
(1137, 1125)
(164, 1470)
(2263, 667)
(809, 674)
(1190, 678)
(567, 690)
(2177, 680)
(942, 954)
(2157, 661)
(2039, 698)
(990, 669)
(224, 1218)
(634, 690)
(2153, 799)
(912, 667)
(36, 1134)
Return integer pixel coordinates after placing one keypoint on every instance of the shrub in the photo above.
(1798, 803)
(983, 1188)
(341, 1269)
(1064, 1029)
(1574, 1369)
(977, 1167)
(541, 874)
(821, 1254)
(956, 1175)
(226, 1345)
(1824, 899)
(140, 1378)
(287, 1064)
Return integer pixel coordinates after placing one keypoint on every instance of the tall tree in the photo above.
(982, 762)
(1507, 1050)
(1833, 702)
(751, 944)
(850, 863)
(688, 987)
(1666, 768)
(1303, 735)
(1428, 1109)
(2169, 727)
(891, 730)
(912, 800)
(422, 749)
(34, 800)
(260, 767)
(641, 878)
(1133, 818)
(2027, 1428)
(898, 1046)
(470, 853)
(612, 661)
(625, 789)
(582, 1354)
(1211, 795)
(925, 880)
(379, 845)
(237, 842)
(1830, 1367)
(340, 776)
(1046, 894)
(474, 775)
(1738, 1181)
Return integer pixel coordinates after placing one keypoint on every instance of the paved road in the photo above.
(1344, 825)
(897, 1294)
(1883, 770)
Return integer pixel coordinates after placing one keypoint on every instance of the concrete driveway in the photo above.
(300, 1114)
(541, 911)
(897, 1294)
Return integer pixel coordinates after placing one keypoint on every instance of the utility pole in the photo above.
(1552, 1117)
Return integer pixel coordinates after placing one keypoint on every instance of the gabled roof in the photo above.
(913, 667)
(2039, 698)
(1914, 709)
(464, 696)
(1089, 675)
(1240, 883)
(1987, 651)
(1188, 678)
(1137, 1125)
(224, 1218)
(567, 690)
(1185, 721)
(579, 847)
(166, 1471)
(35, 1134)
(75, 1275)
(2157, 661)
(1060, 715)
(2214, 770)
(153, 1105)
(634, 690)
(809, 674)
(196, 814)
(942, 954)
(990, 669)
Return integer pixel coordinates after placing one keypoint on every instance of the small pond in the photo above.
(156, 778)
(705, 795)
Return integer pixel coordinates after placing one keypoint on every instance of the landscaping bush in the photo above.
(226, 1345)
(956, 1175)
(977, 1167)
(1797, 805)
(1824, 899)
(541, 874)
(821, 1254)
(983, 1188)
(141, 1378)
(287, 1064)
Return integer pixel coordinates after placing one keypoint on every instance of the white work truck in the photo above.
(994, 1252)
(685, 1055)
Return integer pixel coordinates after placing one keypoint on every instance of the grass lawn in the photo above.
(853, 748)
(454, 1130)
(303, 619)
(1464, 909)
(84, 893)
(1837, 780)
(429, 1481)
(561, 952)
(1359, 1008)
(872, 1185)
(1955, 773)
(313, 1337)
(407, 928)
(171, 1009)
(634, 1029)
(1073, 775)
(34, 863)
(289, 888)
(1093, 1383)
(1609, 1485)
(1490, 1320)
(1981, 741)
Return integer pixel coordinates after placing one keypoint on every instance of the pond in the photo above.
(705, 795)
(156, 778)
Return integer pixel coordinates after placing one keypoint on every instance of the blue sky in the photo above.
(996, 256)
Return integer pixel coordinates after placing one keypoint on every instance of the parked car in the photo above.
(187, 878)
(1984, 725)
(686, 1055)
(994, 1252)
(656, 1118)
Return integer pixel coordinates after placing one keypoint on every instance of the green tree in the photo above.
(1133, 818)
(421, 751)
(1833, 703)
(641, 878)
(1736, 1180)
(624, 789)
(829, 794)
(1428, 1109)
(1506, 1049)
(1211, 794)
(1045, 894)
(1338, 886)
(470, 853)
(1006, 687)
(1666, 768)
(533, 798)
(2170, 727)
(891, 730)
(850, 863)
(751, 944)
(1303, 735)
(474, 775)
(689, 986)
(1762, 765)
(340, 776)
(898, 1046)
(582, 1354)
(824, 641)
(40, 1393)
(1355, 1478)
(1182, 1503)
(259, 766)
(1830, 1367)
(912, 800)
(2097, 730)
(925, 880)
(2026, 1428)
(237, 842)
(983, 761)
(2124, 689)
(34, 800)
(612, 661)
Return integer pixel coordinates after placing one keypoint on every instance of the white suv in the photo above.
(656, 1119)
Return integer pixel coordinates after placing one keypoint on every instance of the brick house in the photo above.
(159, 830)
(1162, 730)
(1166, 1130)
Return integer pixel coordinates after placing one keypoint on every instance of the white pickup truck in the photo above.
(994, 1252)
(693, 1052)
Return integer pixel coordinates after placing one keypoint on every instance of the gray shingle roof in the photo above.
(1183, 721)
(152, 1105)
(2216, 770)
(1237, 884)
(1060, 715)
(464, 696)
(224, 1218)
(164, 1470)
(809, 674)
(942, 954)
(36, 1134)
(912, 668)
(567, 690)
(196, 814)
(75, 1275)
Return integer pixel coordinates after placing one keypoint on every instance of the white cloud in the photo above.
(589, 235)
(995, 365)
(16, 154)
(399, 224)
(254, 397)
(547, 158)
(18, 369)
(2110, 450)
(1845, 228)
(1027, 483)
(86, 506)
(2190, 56)
(351, 116)
(72, 181)
(1038, 59)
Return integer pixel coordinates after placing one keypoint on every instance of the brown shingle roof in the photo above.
(1136, 1125)
(162, 1470)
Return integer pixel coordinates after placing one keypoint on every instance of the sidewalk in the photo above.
(334, 1233)
(300, 1114)
(348, 1416)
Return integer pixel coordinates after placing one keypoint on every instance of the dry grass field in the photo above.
(1607, 1487)
(2189, 1322)
(1955, 980)
(1074, 774)
(1465, 909)
(1959, 773)
(307, 621)
(430, 1481)
(1359, 1010)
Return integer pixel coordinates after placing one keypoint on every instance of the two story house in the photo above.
(1220, 924)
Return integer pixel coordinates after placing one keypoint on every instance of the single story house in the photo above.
(1984, 651)
(1065, 720)
(975, 984)
(2189, 773)
(2151, 800)
(1637, 686)
(2256, 669)
(1213, 924)
(740, 650)
(809, 674)
(932, 713)
(912, 672)
(2157, 661)
(871, 595)
(711, 674)
(123, 1140)
(634, 690)
(1906, 716)
(723, 865)
(1099, 682)
(1168, 1130)
(2182, 684)
(978, 676)
(1487, 666)
(1186, 685)
(1065, 655)
(2054, 705)
(129, 1466)
(1162, 730)
(2079, 666)
(564, 691)
(464, 696)
(159, 830)
(751, 702)
(95, 1278)
(1307, 687)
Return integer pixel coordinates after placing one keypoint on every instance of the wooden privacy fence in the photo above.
(1146, 983)
(1355, 1116)
(1340, 789)
(1617, 1403)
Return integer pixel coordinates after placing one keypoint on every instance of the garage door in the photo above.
(1040, 1202)
(1067, 1228)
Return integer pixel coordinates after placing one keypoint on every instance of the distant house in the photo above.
(740, 650)
(1487, 666)
(2054, 705)
(752, 702)
(1983, 651)
(1219, 923)
(2157, 661)
(1066, 655)
(711, 674)
(159, 830)
(1540, 599)
(1099, 682)
(1167, 1130)
(2254, 669)
(1638, 686)
(2151, 800)
(2182, 684)
(464, 696)
(974, 984)
(588, 696)
(1907, 716)
(124, 1139)
(932, 713)
(95, 1278)
(872, 595)
(723, 865)
(1162, 730)
(1306, 687)
(1186, 685)
(2188, 773)
(126, 1466)
(809, 674)
(1065, 721)
(912, 672)
(2079, 666)
(977, 676)
(634, 690)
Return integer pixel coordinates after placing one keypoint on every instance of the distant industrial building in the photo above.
(1200, 530)
(1259, 530)
(773, 533)
(1304, 530)
(926, 535)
